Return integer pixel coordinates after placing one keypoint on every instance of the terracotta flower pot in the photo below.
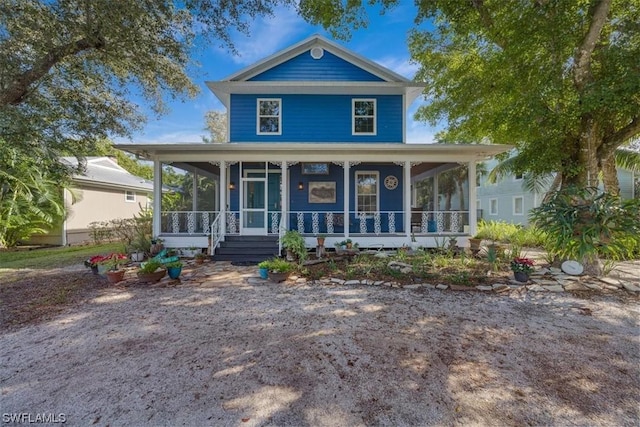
(115, 276)
(278, 277)
(152, 277)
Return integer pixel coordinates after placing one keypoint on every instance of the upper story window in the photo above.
(518, 205)
(367, 190)
(269, 116)
(364, 117)
(517, 177)
(129, 196)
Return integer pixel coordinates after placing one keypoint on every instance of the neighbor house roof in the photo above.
(105, 172)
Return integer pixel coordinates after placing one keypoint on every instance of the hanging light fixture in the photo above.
(232, 185)
(300, 186)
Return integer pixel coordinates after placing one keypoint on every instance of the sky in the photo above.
(383, 41)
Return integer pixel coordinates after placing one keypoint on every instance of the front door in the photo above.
(254, 206)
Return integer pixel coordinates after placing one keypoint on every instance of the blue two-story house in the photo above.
(316, 143)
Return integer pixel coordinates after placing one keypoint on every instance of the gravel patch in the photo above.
(232, 350)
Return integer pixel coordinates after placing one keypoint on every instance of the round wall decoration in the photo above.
(391, 182)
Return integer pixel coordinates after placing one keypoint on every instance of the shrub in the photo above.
(585, 224)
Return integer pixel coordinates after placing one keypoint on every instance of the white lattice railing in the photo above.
(216, 232)
(377, 223)
(440, 221)
(187, 222)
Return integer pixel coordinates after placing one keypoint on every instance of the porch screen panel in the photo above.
(367, 193)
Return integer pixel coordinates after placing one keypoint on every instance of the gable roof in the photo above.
(390, 82)
(105, 172)
(306, 45)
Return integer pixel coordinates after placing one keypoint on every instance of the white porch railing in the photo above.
(187, 222)
(216, 232)
(378, 223)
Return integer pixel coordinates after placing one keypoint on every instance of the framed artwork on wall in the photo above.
(315, 168)
(322, 192)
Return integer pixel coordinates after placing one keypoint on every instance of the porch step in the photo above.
(247, 249)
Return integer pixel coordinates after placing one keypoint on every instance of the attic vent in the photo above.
(317, 52)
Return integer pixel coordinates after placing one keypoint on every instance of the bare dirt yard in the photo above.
(226, 348)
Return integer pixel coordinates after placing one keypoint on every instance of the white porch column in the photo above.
(194, 191)
(436, 199)
(224, 187)
(284, 194)
(157, 196)
(406, 186)
(473, 212)
(346, 168)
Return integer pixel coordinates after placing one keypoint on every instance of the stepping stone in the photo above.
(574, 286)
(484, 288)
(442, 287)
(554, 288)
(352, 282)
(631, 287)
(611, 281)
(412, 286)
(535, 288)
(337, 281)
(593, 286)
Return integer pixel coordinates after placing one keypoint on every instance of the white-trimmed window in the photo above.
(518, 205)
(367, 191)
(493, 206)
(269, 116)
(130, 196)
(364, 117)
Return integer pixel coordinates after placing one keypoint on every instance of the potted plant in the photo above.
(157, 244)
(475, 242)
(263, 269)
(94, 263)
(174, 269)
(414, 243)
(190, 252)
(200, 257)
(522, 268)
(151, 271)
(112, 265)
(293, 242)
(348, 243)
(279, 270)
(140, 246)
(320, 238)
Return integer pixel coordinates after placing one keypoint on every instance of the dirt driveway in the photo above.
(233, 350)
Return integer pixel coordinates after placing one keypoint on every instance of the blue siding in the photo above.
(316, 118)
(327, 68)
(390, 200)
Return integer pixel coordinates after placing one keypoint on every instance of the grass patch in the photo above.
(53, 257)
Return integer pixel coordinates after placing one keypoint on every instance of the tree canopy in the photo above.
(560, 80)
(69, 69)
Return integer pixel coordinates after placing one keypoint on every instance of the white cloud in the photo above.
(399, 65)
(267, 36)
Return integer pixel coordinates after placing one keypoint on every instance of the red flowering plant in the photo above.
(523, 265)
(111, 261)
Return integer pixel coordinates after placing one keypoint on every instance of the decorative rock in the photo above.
(536, 288)
(413, 286)
(381, 254)
(337, 281)
(301, 281)
(611, 281)
(630, 287)
(293, 278)
(593, 286)
(428, 286)
(352, 282)
(378, 283)
(442, 287)
(498, 287)
(554, 288)
(545, 282)
(610, 287)
(400, 266)
(574, 286)
(540, 272)
(484, 288)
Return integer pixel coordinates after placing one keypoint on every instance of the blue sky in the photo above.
(383, 41)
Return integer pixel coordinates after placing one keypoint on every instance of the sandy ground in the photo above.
(235, 351)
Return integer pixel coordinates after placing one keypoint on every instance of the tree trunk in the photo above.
(610, 175)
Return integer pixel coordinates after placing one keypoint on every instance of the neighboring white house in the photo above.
(506, 200)
(104, 192)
